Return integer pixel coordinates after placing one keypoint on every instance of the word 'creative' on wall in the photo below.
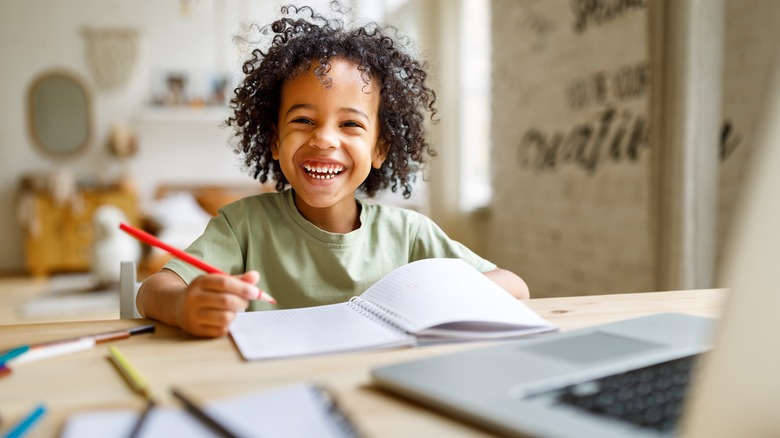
(588, 145)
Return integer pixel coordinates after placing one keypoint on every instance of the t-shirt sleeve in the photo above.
(431, 241)
(217, 246)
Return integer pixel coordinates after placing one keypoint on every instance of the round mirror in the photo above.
(59, 114)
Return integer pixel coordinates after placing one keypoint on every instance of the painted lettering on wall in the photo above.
(598, 12)
(729, 140)
(535, 27)
(625, 83)
(613, 137)
(615, 134)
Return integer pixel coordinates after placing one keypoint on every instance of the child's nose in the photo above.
(324, 138)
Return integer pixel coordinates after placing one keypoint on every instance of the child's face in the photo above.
(328, 137)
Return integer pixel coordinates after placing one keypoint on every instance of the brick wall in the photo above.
(571, 211)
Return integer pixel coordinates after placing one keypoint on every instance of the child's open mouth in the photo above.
(323, 171)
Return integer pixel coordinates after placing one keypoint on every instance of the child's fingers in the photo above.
(209, 331)
(214, 322)
(221, 301)
(209, 314)
(215, 317)
(251, 277)
(231, 285)
(211, 302)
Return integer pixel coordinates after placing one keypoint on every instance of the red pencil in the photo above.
(145, 237)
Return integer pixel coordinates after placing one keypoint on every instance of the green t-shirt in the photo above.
(301, 265)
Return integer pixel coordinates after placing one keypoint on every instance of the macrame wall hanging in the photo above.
(111, 55)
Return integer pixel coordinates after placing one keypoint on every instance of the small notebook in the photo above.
(296, 410)
(431, 300)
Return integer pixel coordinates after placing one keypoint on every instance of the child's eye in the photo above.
(302, 120)
(351, 125)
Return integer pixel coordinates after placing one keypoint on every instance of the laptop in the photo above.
(716, 378)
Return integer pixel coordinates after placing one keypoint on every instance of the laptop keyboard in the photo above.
(649, 397)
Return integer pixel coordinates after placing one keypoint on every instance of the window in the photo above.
(475, 142)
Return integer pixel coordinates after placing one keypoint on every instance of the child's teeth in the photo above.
(323, 172)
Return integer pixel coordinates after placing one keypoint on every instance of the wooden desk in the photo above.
(213, 368)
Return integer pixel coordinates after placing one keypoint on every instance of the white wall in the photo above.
(37, 35)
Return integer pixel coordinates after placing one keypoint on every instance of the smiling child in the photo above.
(326, 112)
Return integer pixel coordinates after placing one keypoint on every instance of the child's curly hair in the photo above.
(298, 43)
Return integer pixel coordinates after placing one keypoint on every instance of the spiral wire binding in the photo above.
(342, 420)
(379, 313)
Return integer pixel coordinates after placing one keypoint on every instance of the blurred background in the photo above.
(590, 146)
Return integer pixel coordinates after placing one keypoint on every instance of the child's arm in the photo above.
(205, 307)
(510, 282)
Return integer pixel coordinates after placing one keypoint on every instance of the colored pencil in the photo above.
(13, 353)
(34, 354)
(139, 423)
(98, 337)
(132, 376)
(137, 383)
(23, 426)
(102, 337)
(202, 415)
(145, 237)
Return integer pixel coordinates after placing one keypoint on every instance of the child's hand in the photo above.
(210, 302)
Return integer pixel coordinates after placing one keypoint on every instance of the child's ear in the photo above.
(380, 154)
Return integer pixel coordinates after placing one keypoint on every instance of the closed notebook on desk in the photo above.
(296, 410)
(428, 300)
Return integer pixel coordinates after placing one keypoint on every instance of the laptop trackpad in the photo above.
(591, 348)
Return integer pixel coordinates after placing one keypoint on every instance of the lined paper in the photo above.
(449, 291)
(311, 331)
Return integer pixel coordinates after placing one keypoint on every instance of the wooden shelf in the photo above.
(209, 114)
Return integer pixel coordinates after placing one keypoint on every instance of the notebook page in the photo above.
(309, 331)
(431, 292)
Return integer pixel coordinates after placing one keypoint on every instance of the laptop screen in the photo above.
(739, 382)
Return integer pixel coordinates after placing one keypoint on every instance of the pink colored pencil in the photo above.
(145, 237)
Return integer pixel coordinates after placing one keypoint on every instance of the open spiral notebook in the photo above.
(432, 300)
